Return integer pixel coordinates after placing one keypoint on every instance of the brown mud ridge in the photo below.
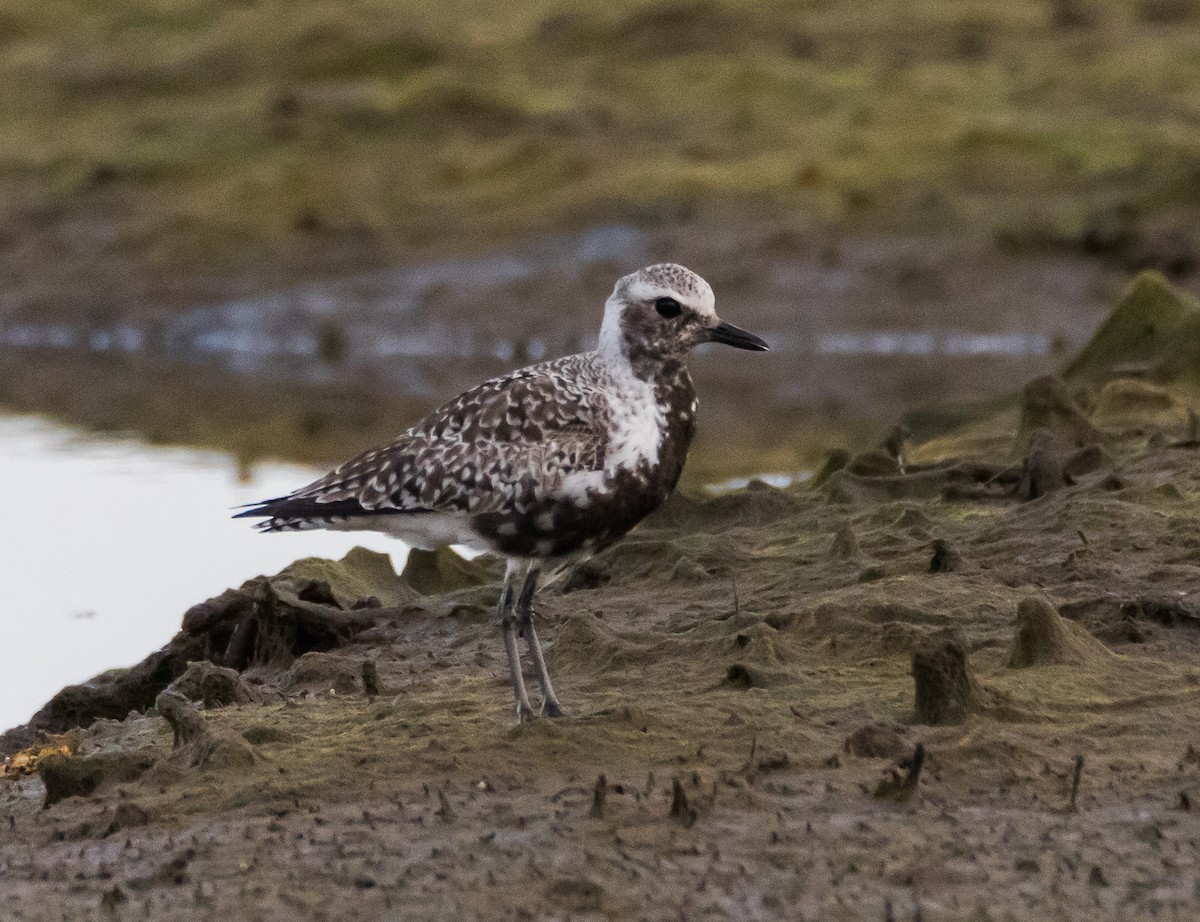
(953, 678)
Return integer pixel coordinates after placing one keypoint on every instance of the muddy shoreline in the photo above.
(953, 677)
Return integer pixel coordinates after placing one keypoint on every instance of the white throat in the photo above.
(611, 344)
(636, 421)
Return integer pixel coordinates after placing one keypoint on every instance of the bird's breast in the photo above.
(650, 428)
(652, 423)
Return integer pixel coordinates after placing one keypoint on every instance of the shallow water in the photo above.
(105, 543)
(859, 332)
(376, 316)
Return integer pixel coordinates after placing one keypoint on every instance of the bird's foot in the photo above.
(551, 708)
(525, 714)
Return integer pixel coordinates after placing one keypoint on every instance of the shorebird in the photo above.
(543, 466)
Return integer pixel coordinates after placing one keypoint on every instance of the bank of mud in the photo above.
(955, 677)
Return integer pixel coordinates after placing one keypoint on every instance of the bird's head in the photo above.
(660, 313)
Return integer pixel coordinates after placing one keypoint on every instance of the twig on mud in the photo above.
(737, 604)
(1076, 775)
(372, 687)
(1193, 431)
(944, 685)
(186, 723)
(899, 787)
(914, 770)
(749, 766)
(444, 812)
(681, 810)
(598, 797)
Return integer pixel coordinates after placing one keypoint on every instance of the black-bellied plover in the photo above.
(542, 466)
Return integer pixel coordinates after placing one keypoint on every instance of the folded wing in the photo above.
(501, 447)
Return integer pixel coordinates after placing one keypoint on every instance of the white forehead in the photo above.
(668, 280)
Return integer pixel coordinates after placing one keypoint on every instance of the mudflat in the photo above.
(955, 677)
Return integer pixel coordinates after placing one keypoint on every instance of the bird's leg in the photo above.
(550, 705)
(508, 631)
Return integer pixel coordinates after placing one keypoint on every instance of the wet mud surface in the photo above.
(957, 677)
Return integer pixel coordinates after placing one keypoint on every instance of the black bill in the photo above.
(730, 335)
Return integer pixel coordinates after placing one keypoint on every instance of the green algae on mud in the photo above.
(1139, 371)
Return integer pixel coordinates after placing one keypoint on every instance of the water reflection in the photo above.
(884, 325)
(105, 543)
(934, 343)
(378, 311)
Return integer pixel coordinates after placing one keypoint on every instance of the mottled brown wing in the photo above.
(499, 447)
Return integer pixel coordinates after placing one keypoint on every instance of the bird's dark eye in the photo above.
(668, 307)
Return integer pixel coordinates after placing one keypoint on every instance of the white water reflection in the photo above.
(105, 543)
(780, 481)
(1007, 345)
(377, 312)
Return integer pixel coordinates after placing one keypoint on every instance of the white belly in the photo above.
(425, 531)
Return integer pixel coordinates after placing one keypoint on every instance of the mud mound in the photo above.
(588, 642)
(947, 691)
(845, 545)
(262, 628)
(1154, 332)
(885, 616)
(312, 604)
(1138, 374)
(441, 571)
(1047, 405)
(321, 672)
(1128, 405)
(946, 557)
(760, 644)
(875, 741)
(349, 583)
(214, 686)
(110, 695)
(195, 743)
(1043, 638)
(759, 504)
(81, 776)
(639, 556)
